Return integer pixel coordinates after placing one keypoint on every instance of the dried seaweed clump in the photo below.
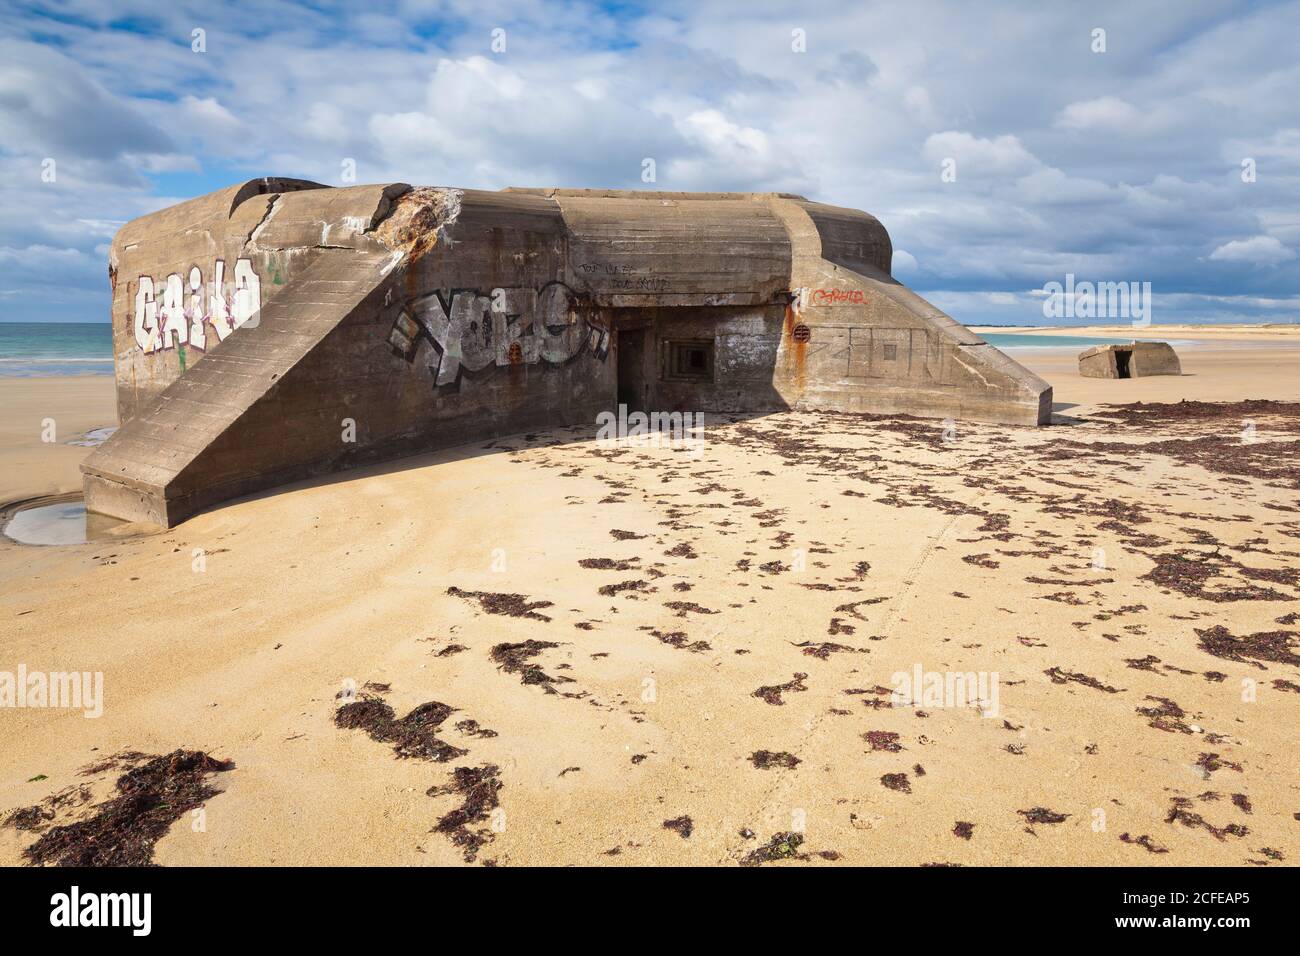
(683, 607)
(683, 826)
(1190, 573)
(679, 640)
(782, 846)
(412, 736)
(1166, 716)
(1180, 812)
(479, 786)
(1273, 646)
(771, 693)
(896, 781)
(1143, 841)
(1043, 815)
(511, 605)
(124, 829)
(885, 740)
(516, 659)
(1059, 676)
(766, 759)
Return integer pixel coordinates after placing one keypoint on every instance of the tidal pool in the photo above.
(61, 523)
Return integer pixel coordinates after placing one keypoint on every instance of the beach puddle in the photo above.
(57, 521)
(95, 437)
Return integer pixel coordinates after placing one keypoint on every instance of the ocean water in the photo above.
(29, 349)
(1025, 340)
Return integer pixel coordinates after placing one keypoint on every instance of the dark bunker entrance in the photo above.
(632, 385)
(1122, 358)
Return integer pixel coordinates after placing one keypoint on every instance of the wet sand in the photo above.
(30, 466)
(652, 657)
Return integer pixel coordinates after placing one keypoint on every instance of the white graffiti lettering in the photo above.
(180, 318)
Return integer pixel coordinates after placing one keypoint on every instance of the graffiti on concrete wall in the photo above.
(179, 310)
(622, 277)
(837, 297)
(803, 297)
(472, 330)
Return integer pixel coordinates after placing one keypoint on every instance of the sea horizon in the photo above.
(57, 348)
(38, 349)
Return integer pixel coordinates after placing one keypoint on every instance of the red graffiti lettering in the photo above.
(838, 297)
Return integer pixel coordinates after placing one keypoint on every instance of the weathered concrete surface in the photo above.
(1129, 361)
(370, 322)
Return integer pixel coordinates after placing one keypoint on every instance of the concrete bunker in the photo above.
(1129, 360)
(252, 325)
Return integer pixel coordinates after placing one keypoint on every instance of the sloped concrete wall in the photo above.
(857, 340)
(185, 278)
(1154, 358)
(1098, 362)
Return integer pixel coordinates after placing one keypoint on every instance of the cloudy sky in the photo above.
(1122, 165)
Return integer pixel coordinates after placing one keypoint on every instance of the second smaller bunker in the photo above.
(1129, 361)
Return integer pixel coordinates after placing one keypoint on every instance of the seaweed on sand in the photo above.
(1274, 646)
(782, 846)
(479, 786)
(683, 826)
(412, 736)
(771, 693)
(766, 759)
(124, 829)
(516, 659)
(511, 605)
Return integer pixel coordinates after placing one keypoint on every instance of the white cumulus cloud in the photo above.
(1260, 250)
(1105, 112)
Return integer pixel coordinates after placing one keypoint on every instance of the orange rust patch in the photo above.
(413, 224)
(411, 280)
(796, 350)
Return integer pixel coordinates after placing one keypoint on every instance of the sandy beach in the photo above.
(685, 655)
(72, 405)
(1277, 333)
